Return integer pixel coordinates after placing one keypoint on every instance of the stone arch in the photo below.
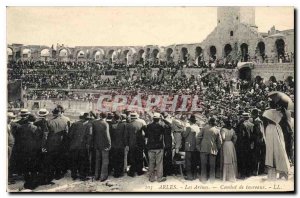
(184, 54)
(45, 54)
(64, 53)
(155, 54)
(98, 54)
(227, 50)
(198, 55)
(260, 50)
(213, 52)
(244, 52)
(169, 55)
(26, 53)
(80, 55)
(10, 53)
(280, 48)
(131, 56)
(141, 56)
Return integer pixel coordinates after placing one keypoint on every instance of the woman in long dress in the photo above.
(228, 153)
(276, 156)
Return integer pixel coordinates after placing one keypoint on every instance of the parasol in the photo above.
(281, 99)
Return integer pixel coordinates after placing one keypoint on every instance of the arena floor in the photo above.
(173, 184)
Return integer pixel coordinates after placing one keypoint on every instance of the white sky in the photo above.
(109, 26)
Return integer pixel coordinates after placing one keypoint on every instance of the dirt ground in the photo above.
(173, 184)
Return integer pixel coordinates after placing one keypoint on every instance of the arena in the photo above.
(230, 74)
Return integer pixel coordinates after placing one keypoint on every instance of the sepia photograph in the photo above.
(150, 99)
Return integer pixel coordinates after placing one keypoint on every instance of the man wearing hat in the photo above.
(58, 128)
(118, 143)
(42, 124)
(155, 144)
(209, 142)
(191, 154)
(259, 143)
(245, 146)
(168, 144)
(30, 139)
(102, 145)
(24, 114)
(79, 134)
(136, 141)
(17, 149)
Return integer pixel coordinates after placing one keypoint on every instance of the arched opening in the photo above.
(80, 55)
(63, 54)
(227, 50)
(9, 52)
(45, 54)
(169, 55)
(244, 51)
(98, 55)
(155, 55)
(245, 73)
(198, 55)
(261, 50)
(141, 56)
(26, 53)
(184, 54)
(280, 49)
(213, 53)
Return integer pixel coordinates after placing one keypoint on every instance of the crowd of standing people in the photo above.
(102, 144)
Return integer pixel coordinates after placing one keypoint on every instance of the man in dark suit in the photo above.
(30, 140)
(42, 124)
(259, 143)
(168, 167)
(54, 145)
(245, 147)
(118, 142)
(136, 141)
(79, 134)
(15, 158)
(102, 145)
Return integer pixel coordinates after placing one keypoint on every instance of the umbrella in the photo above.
(281, 99)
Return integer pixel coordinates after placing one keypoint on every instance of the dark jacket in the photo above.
(118, 134)
(155, 136)
(101, 135)
(135, 134)
(245, 135)
(79, 134)
(57, 130)
(42, 124)
(30, 138)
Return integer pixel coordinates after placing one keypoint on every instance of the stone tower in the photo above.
(232, 16)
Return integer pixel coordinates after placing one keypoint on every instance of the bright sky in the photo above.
(109, 26)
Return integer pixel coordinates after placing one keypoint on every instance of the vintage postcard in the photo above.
(150, 99)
